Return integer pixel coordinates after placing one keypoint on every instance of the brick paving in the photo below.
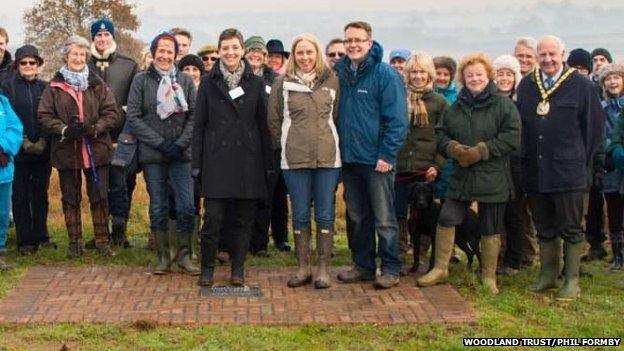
(130, 295)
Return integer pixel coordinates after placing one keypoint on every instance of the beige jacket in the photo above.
(302, 121)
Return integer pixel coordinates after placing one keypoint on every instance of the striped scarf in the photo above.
(417, 110)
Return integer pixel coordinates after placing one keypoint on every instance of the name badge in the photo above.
(267, 88)
(236, 93)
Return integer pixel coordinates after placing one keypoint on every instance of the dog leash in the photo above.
(410, 176)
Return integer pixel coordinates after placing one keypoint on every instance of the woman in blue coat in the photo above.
(10, 143)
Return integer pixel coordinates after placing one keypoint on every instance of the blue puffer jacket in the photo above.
(10, 138)
(449, 93)
(373, 110)
(613, 108)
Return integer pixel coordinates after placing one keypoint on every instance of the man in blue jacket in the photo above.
(372, 128)
(562, 128)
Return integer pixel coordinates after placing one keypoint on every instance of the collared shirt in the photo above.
(554, 78)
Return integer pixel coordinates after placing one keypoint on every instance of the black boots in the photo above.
(207, 263)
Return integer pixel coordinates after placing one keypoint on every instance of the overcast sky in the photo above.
(440, 26)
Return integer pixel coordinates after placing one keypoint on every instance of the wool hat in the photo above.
(163, 35)
(612, 68)
(580, 57)
(399, 53)
(603, 52)
(511, 63)
(27, 51)
(446, 62)
(255, 43)
(192, 60)
(207, 49)
(102, 25)
(275, 46)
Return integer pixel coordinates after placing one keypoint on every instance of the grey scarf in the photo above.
(232, 79)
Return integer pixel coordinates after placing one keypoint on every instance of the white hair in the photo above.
(554, 38)
(76, 40)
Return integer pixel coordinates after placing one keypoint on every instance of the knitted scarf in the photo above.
(232, 79)
(170, 97)
(79, 81)
(308, 79)
(417, 110)
(102, 61)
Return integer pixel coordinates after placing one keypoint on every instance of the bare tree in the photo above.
(50, 22)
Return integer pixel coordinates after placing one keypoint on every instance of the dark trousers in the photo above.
(558, 215)
(615, 210)
(273, 214)
(30, 202)
(122, 182)
(514, 226)
(594, 221)
(240, 215)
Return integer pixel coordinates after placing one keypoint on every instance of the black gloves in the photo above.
(170, 149)
(73, 130)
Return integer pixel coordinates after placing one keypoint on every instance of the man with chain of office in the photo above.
(562, 128)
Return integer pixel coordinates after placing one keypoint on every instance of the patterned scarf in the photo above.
(79, 81)
(232, 79)
(170, 95)
(417, 111)
(102, 61)
(308, 79)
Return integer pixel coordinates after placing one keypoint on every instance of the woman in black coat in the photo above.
(231, 153)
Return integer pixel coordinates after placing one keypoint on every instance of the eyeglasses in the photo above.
(334, 54)
(356, 41)
(31, 63)
(211, 58)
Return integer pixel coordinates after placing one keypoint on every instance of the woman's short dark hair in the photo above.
(229, 34)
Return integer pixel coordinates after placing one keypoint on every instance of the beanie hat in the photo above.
(255, 43)
(446, 62)
(580, 57)
(603, 52)
(207, 49)
(511, 63)
(102, 25)
(192, 60)
(399, 53)
(163, 35)
(612, 68)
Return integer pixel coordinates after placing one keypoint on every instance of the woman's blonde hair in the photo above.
(472, 59)
(320, 66)
(424, 61)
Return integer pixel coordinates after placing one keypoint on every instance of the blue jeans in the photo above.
(312, 184)
(370, 204)
(178, 175)
(5, 208)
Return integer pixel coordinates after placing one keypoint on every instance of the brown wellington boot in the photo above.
(444, 242)
(73, 222)
(161, 239)
(490, 247)
(403, 245)
(302, 248)
(99, 214)
(324, 244)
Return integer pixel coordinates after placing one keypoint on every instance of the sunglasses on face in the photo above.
(334, 54)
(25, 63)
(211, 58)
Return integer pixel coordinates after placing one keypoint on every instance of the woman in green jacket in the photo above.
(419, 159)
(479, 131)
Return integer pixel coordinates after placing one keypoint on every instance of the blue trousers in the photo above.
(5, 208)
(370, 205)
(309, 185)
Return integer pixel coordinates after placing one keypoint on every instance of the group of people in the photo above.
(244, 123)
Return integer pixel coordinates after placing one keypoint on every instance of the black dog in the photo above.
(423, 220)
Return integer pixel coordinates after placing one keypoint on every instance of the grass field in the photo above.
(513, 313)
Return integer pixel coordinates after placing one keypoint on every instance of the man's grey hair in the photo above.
(528, 42)
(553, 38)
(76, 40)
